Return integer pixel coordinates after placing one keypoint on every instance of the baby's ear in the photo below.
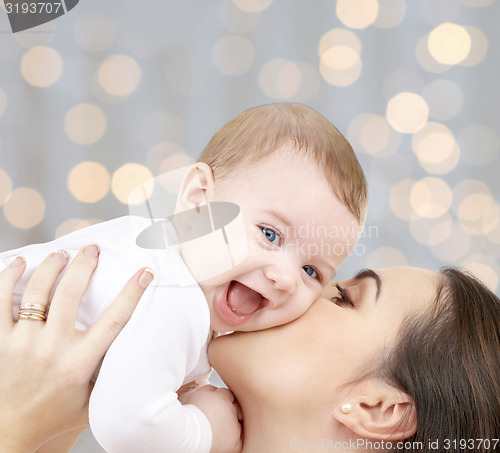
(196, 187)
(377, 410)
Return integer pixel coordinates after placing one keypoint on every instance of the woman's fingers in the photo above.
(8, 279)
(102, 333)
(66, 300)
(41, 282)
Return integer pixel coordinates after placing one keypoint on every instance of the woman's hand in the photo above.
(47, 366)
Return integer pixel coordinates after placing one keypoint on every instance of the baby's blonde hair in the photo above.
(259, 131)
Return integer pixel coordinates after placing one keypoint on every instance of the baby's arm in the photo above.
(134, 405)
(221, 409)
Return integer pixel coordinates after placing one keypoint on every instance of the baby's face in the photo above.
(296, 235)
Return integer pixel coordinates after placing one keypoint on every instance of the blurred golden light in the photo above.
(425, 59)
(94, 32)
(235, 20)
(71, 225)
(233, 55)
(449, 43)
(431, 231)
(341, 78)
(3, 102)
(5, 186)
(340, 57)
(374, 134)
(186, 75)
(430, 197)
(283, 79)
(390, 13)
(127, 178)
(479, 47)
(399, 199)
(494, 235)
(339, 37)
(159, 152)
(480, 145)
(485, 268)
(309, 83)
(119, 75)
(252, 6)
(175, 161)
(162, 126)
(386, 257)
(407, 112)
(24, 208)
(479, 214)
(436, 148)
(455, 247)
(474, 207)
(41, 66)
(357, 13)
(441, 230)
(444, 99)
(465, 188)
(279, 78)
(89, 182)
(85, 124)
(340, 64)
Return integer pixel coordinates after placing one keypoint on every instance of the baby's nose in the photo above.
(282, 278)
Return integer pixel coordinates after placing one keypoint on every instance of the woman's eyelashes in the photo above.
(342, 298)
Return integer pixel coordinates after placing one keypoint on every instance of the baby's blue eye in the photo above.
(271, 235)
(310, 271)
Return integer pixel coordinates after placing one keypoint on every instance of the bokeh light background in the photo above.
(115, 93)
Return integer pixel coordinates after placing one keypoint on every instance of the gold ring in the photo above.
(33, 307)
(32, 315)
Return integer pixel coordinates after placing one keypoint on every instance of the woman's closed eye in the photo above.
(342, 298)
(273, 236)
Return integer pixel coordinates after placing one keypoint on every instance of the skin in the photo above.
(47, 366)
(292, 250)
(292, 380)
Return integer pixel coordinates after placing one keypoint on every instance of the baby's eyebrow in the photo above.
(282, 217)
(369, 273)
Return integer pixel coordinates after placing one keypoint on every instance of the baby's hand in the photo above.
(221, 409)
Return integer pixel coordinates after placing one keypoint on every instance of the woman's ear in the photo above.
(376, 410)
(196, 188)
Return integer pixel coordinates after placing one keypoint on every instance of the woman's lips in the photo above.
(239, 303)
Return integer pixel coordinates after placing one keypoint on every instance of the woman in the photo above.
(399, 354)
(402, 359)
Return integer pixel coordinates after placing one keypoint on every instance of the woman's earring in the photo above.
(346, 408)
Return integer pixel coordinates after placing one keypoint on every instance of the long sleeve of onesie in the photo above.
(134, 406)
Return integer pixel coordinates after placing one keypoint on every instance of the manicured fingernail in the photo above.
(92, 250)
(146, 278)
(18, 262)
(61, 254)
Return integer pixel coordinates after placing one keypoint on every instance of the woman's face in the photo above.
(302, 363)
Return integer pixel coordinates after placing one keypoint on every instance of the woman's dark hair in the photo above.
(449, 363)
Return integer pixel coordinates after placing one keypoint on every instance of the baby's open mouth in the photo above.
(242, 300)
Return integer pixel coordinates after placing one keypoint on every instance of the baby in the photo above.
(263, 220)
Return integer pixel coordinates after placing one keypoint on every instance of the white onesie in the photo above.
(134, 406)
